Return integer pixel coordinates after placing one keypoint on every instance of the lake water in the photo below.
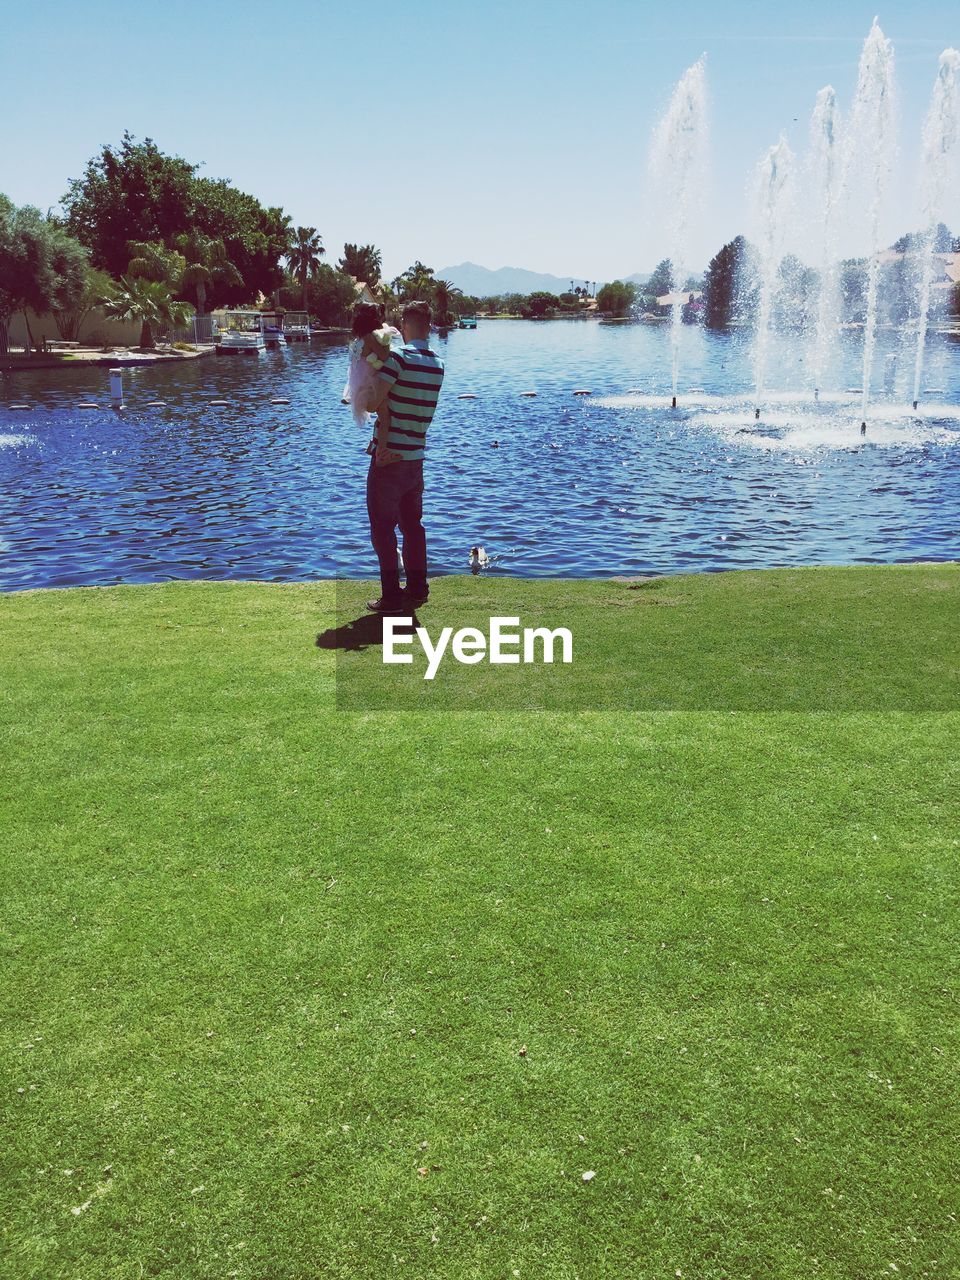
(611, 483)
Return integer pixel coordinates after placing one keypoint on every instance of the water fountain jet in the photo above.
(825, 173)
(869, 157)
(941, 132)
(677, 164)
(771, 197)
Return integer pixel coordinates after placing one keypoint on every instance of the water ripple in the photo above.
(610, 483)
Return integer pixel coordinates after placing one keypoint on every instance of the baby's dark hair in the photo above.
(367, 316)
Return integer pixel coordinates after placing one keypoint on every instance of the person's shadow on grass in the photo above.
(360, 634)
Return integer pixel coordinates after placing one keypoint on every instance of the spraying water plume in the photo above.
(772, 195)
(869, 162)
(677, 167)
(941, 132)
(845, 183)
(825, 176)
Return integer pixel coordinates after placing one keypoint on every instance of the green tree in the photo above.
(536, 305)
(661, 281)
(900, 287)
(798, 288)
(303, 257)
(912, 241)
(152, 261)
(853, 290)
(255, 239)
(391, 303)
(908, 243)
(206, 266)
(415, 284)
(42, 267)
(330, 295)
(363, 262)
(727, 280)
(617, 297)
(129, 192)
(445, 301)
(147, 302)
(134, 192)
(900, 279)
(71, 319)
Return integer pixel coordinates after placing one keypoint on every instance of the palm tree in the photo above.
(389, 300)
(444, 293)
(151, 260)
(363, 262)
(303, 258)
(148, 301)
(205, 261)
(416, 282)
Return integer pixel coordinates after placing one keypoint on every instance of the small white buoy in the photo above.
(581, 391)
(219, 404)
(478, 559)
(528, 393)
(279, 400)
(467, 395)
(87, 404)
(156, 404)
(21, 407)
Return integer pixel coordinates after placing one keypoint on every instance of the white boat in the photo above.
(238, 332)
(271, 326)
(296, 326)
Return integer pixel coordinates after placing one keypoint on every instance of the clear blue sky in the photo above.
(503, 133)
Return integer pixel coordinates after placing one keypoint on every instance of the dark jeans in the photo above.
(395, 497)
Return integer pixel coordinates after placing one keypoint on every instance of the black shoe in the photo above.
(387, 608)
(416, 598)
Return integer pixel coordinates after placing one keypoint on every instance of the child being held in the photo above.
(369, 347)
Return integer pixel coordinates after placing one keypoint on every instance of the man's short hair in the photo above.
(418, 310)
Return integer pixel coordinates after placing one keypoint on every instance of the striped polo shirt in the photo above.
(415, 374)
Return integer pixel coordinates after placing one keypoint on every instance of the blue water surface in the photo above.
(557, 484)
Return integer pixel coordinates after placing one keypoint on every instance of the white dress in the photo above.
(362, 374)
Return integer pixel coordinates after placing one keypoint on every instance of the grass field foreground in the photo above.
(297, 991)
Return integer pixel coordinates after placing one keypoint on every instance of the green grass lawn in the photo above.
(298, 984)
(793, 640)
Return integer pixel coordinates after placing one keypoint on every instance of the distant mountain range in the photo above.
(482, 282)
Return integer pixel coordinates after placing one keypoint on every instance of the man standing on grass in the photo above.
(409, 384)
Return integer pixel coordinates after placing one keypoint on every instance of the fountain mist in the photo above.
(846, 180)
(677, 165)
(771, 196)
(941, 131)
(869, 161)
(825, 174)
